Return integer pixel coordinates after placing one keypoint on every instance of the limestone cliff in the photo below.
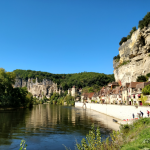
(135, 54)
(38, 89)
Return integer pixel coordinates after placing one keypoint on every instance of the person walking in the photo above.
(141, 114)
(148, 113)
(133, 115)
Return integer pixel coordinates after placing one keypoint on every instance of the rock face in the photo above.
(135, 51)
(46, 87)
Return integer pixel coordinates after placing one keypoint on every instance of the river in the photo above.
(47, 126)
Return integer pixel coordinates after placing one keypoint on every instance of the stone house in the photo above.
(72, 91)
(95, 96)
(125, 98)
(133, 97)
(138, 93)
(89, 98)
(113, 85)
(84, 96)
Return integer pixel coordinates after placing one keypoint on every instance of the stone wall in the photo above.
(116, 111)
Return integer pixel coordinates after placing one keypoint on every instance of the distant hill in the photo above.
(80, 80)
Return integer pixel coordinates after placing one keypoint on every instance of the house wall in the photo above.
(73, 92)
(124, 96)
(117, 111)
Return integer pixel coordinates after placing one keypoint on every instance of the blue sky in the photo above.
(65, 36)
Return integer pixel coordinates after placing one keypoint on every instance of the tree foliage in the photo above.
(145, 21)
(124, 39)
(141, 79)
(80, 80)
(116, 57)
(130, 34)
(146, 90)
(10, 96)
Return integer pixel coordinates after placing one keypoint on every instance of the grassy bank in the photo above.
(130, 137)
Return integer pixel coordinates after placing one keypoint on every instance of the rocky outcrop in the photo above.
(137, 52)
(38, 89)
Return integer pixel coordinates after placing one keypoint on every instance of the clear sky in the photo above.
(65, 36)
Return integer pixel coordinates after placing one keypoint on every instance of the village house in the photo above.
(95, 96)
(125, 98)
(133, 97)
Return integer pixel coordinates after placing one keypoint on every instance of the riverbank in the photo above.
(123, 113)
(130, 137)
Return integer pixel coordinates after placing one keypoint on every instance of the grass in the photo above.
(124, 63)
(138, 135)
(130, 137)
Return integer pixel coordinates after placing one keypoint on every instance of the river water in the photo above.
(47, 127)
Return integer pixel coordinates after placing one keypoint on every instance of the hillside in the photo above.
(80, 80)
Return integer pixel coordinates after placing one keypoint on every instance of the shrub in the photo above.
(148, 75)
(116, 58)
(146, 90)
(124, 39)
(131, 32)
(141, 78)
(124, 63)
(145, 21)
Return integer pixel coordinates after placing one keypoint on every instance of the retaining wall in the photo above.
(117, 111)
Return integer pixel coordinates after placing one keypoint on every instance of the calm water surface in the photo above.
(46, 127)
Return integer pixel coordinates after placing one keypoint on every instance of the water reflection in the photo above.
(47, 126)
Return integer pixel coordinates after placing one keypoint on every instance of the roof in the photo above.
(142, 85)
(91, 94)
(113, 83)
(127, 85)
(133, 84)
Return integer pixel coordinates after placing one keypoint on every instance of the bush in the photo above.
(148, 75)
(146, 90)
(124, 63)
(141, 79)
(116, 58)
(124, 39)
(146, 20)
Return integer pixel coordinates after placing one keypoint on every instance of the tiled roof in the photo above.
(142, 85)
(90, 95)
(127, 85)
(133, 84)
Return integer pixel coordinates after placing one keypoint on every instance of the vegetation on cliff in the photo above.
(13, 97)
(145, 21)
(123, 63)
(142, 78)
(116, 58)
(142, 23)
(80, 80)
(124, 39)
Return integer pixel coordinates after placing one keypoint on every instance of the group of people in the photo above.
(141, 114)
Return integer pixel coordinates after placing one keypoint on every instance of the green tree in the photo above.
(146, 90)
(145, 21)
(141, 79)
(124, 39)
